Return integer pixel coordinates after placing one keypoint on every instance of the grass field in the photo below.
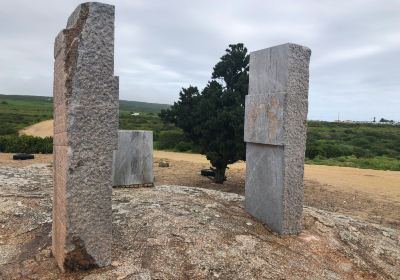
(372, 146)
(354, 145)
(19, 111)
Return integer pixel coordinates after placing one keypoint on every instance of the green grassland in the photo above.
(137, 106)
(372, 146)
(17, 112)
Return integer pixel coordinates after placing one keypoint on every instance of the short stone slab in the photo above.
(133, 161)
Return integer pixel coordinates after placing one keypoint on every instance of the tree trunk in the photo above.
(220, 175)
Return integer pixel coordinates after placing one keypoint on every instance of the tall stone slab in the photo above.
(85, 136)
(133, 161)
(275, 131)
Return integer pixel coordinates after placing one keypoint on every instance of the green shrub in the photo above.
(380, 163)
(26, 144)
(8, 129)
(169, 139)
(183, 146)
(313, 151)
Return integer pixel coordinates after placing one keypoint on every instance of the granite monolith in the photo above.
(85, 136)
(133, 161)
(275, 135)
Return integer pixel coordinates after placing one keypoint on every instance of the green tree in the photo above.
(385, 120)
(213, 118)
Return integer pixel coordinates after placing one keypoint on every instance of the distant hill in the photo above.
(137, 106)
(19, 111)
(43, 104)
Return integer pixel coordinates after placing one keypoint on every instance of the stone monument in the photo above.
(275, 131)
(85, 136)
(133, 161)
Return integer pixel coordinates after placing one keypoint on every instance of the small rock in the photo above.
(163, 163)
(308, 237)
(348, 237)
(325, 221)
(115, 263)
(330, 275)
(38, 258)
(345, 266)
(46, 253)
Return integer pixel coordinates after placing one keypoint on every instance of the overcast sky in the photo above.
(163, 45)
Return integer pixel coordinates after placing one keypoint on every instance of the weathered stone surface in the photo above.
(133, 161)
(264, 119)
(163, 163)
(275, 129)
(85, 136)
(177, 232)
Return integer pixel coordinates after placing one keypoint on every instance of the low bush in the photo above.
(26, 144)
(380, 163)
(183, 146)
(169, 139)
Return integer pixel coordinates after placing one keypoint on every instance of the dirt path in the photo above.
(41, 129)
(375, 182)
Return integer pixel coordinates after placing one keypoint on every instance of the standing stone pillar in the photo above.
(85, 136)
(133, 161)
(275, 132)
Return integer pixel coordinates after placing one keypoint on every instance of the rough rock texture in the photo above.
(133, 161)
(85, 136)
(174, 232)
(275, 132)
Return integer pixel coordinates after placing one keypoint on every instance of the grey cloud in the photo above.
(163, 45)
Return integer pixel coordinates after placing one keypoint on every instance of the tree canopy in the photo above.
(213, 118)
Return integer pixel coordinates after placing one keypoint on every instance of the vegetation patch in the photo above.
(26, 144)
(372, 146)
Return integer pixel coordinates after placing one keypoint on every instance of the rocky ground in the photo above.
(176, 232)
(371, 195)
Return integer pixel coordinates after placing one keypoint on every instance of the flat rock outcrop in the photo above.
(176, 232)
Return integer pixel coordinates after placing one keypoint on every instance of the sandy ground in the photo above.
(385, 184)
(372, 195)
(375, 182)
(6, 160)
(41, 129)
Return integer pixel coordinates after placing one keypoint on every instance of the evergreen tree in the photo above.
(213, 119)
